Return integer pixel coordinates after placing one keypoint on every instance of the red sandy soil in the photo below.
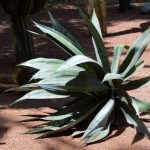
(122, 28)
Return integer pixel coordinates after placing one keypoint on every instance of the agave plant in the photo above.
(98, 88)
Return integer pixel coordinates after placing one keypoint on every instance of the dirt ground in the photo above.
(122, 28)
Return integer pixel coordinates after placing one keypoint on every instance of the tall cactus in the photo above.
(20, 11)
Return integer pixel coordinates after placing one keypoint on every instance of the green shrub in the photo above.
(98, 88)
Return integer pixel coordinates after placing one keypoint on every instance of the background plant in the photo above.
(98, 88)
(20, 11)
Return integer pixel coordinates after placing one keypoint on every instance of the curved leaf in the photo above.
(60, 39)
(98, 43)
(116, 58)
(52, 83)
(144, 106)
(56, 117)
(57, 26)
(135, 84)
(112, 76)
(135, 106)
(25, 88)
(73, 110)
(76, 133)
(83, 82)
(39, 94)
(87, 83)
(95, 22)
(46, 73)
(139, 46)
(134, 120)
(40, 63)
(126, 61)
(100, 120)
(81, 59)
(99, 134)
(74, 122)
(135, 68)
(76, 60)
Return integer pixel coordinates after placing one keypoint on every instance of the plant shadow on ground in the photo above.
(9, 98)
(142, 28)
(136, 139)
(3, 129)
(131, 15)
(117, 23)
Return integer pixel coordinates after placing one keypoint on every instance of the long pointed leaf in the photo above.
(39, 94)
(76, 60)
(100, 120)
(112, 76)
(75, 122)
(99, 134)
(135, 68)
(56, 117)
(139, 46)
(98, 42)
(46, 73)
(144, 106)
(116, 58)
(60, 40)
(96, 23)
(76, 133)
(25, 88)
(135, 84)
(80, 59)
(134, 120)
(73, 110)
(57, 26)
(83, 82)
(87, 83)
(40, 63)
